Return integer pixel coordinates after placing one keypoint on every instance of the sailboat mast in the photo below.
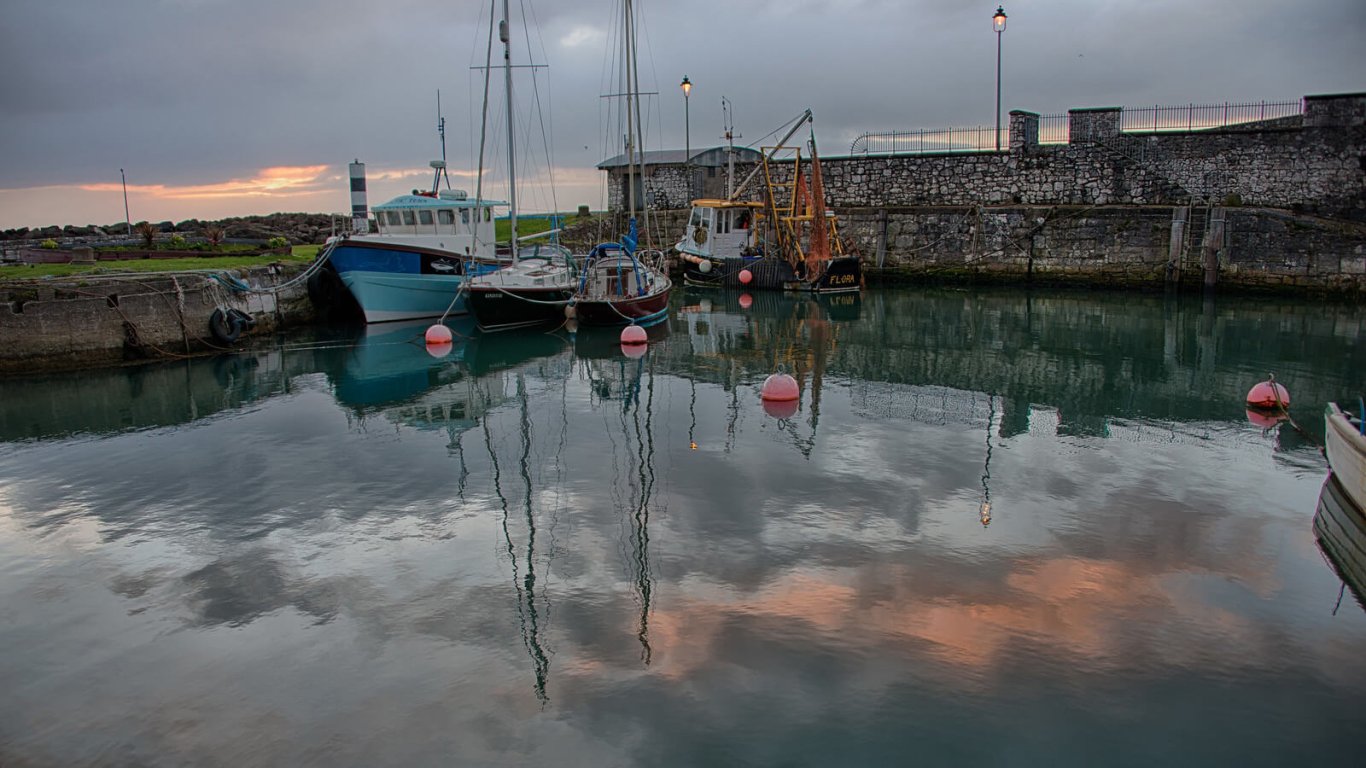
(503, 34)
(640, 124)
(628, 34)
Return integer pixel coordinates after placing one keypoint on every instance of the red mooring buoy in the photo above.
(1268, 394)
(438, 334)
(633, 334)
(746, 277)
(781, 409)
(1258, 417)
(779, 388)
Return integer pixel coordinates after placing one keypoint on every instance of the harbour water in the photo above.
(998, 528)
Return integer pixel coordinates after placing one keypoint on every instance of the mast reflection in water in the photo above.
(535, 550)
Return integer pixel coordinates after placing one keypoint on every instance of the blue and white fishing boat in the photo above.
(426, 245)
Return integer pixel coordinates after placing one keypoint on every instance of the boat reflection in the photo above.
(523, 560)
(388, 363)
(1340, 532)
(624, 389)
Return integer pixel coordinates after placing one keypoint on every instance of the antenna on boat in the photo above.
(728, 124)
(440, 164)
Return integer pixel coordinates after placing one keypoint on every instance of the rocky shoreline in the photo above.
(297, 228)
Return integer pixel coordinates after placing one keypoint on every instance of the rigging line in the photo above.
(540, 113)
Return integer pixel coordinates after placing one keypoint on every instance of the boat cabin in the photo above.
(449, 212)
(721, 229)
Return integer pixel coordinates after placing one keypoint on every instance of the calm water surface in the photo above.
(998, 528)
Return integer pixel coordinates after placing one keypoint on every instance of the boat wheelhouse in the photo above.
(414, 265)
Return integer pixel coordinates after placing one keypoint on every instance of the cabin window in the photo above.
(488, 214)
(696, 218)
(392, 218)
(409, 218)
(711, 172)
(446, 216)
(425, 218)
(465, 217)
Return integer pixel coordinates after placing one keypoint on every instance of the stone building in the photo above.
(665, 184)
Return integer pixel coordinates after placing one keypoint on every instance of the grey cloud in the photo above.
(182, 92)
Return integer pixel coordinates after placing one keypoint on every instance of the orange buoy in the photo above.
(438, 334)
(1268, 394)
(633, 335)
(746, 300)
(780, 387)
(746, 277)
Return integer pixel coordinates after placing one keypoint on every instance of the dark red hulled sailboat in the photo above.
(617, 287)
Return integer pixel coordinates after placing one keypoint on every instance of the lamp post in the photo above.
(998, 22)
(128, 220)
(686, 85)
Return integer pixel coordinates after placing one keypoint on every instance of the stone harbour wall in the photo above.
(96, 320)
(1130, 246)
(1314, 164)
(1121, 208)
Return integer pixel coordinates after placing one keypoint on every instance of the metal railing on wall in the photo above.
(1200, 117)
(1056, 129)
(927, 141)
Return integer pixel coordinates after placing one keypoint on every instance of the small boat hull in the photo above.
(843, 274)
(643, 310)
(504, 309)
(1346, 449)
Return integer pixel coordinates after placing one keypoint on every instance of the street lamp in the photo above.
(998, 22)
(686, 85)
(126, 218)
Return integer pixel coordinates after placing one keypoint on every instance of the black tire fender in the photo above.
(225, 327)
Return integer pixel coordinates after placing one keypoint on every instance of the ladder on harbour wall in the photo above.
(1196, 240)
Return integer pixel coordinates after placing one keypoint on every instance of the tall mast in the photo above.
(503, 34)
(640, 124)
(628, 34)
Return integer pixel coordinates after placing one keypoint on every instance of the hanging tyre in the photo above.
(325, 288)
(225, 327)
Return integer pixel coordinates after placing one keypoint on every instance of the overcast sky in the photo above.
(230, 107)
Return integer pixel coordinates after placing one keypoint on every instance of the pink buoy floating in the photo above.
(439, 350)
(634, 351)
(746, 301)
(746, 277)
(1268, 394)
(780, 387)
(438, 334)
(1263, 420)
(633, 335)
(781, 409)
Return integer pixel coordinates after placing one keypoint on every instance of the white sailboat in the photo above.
(541, 279)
